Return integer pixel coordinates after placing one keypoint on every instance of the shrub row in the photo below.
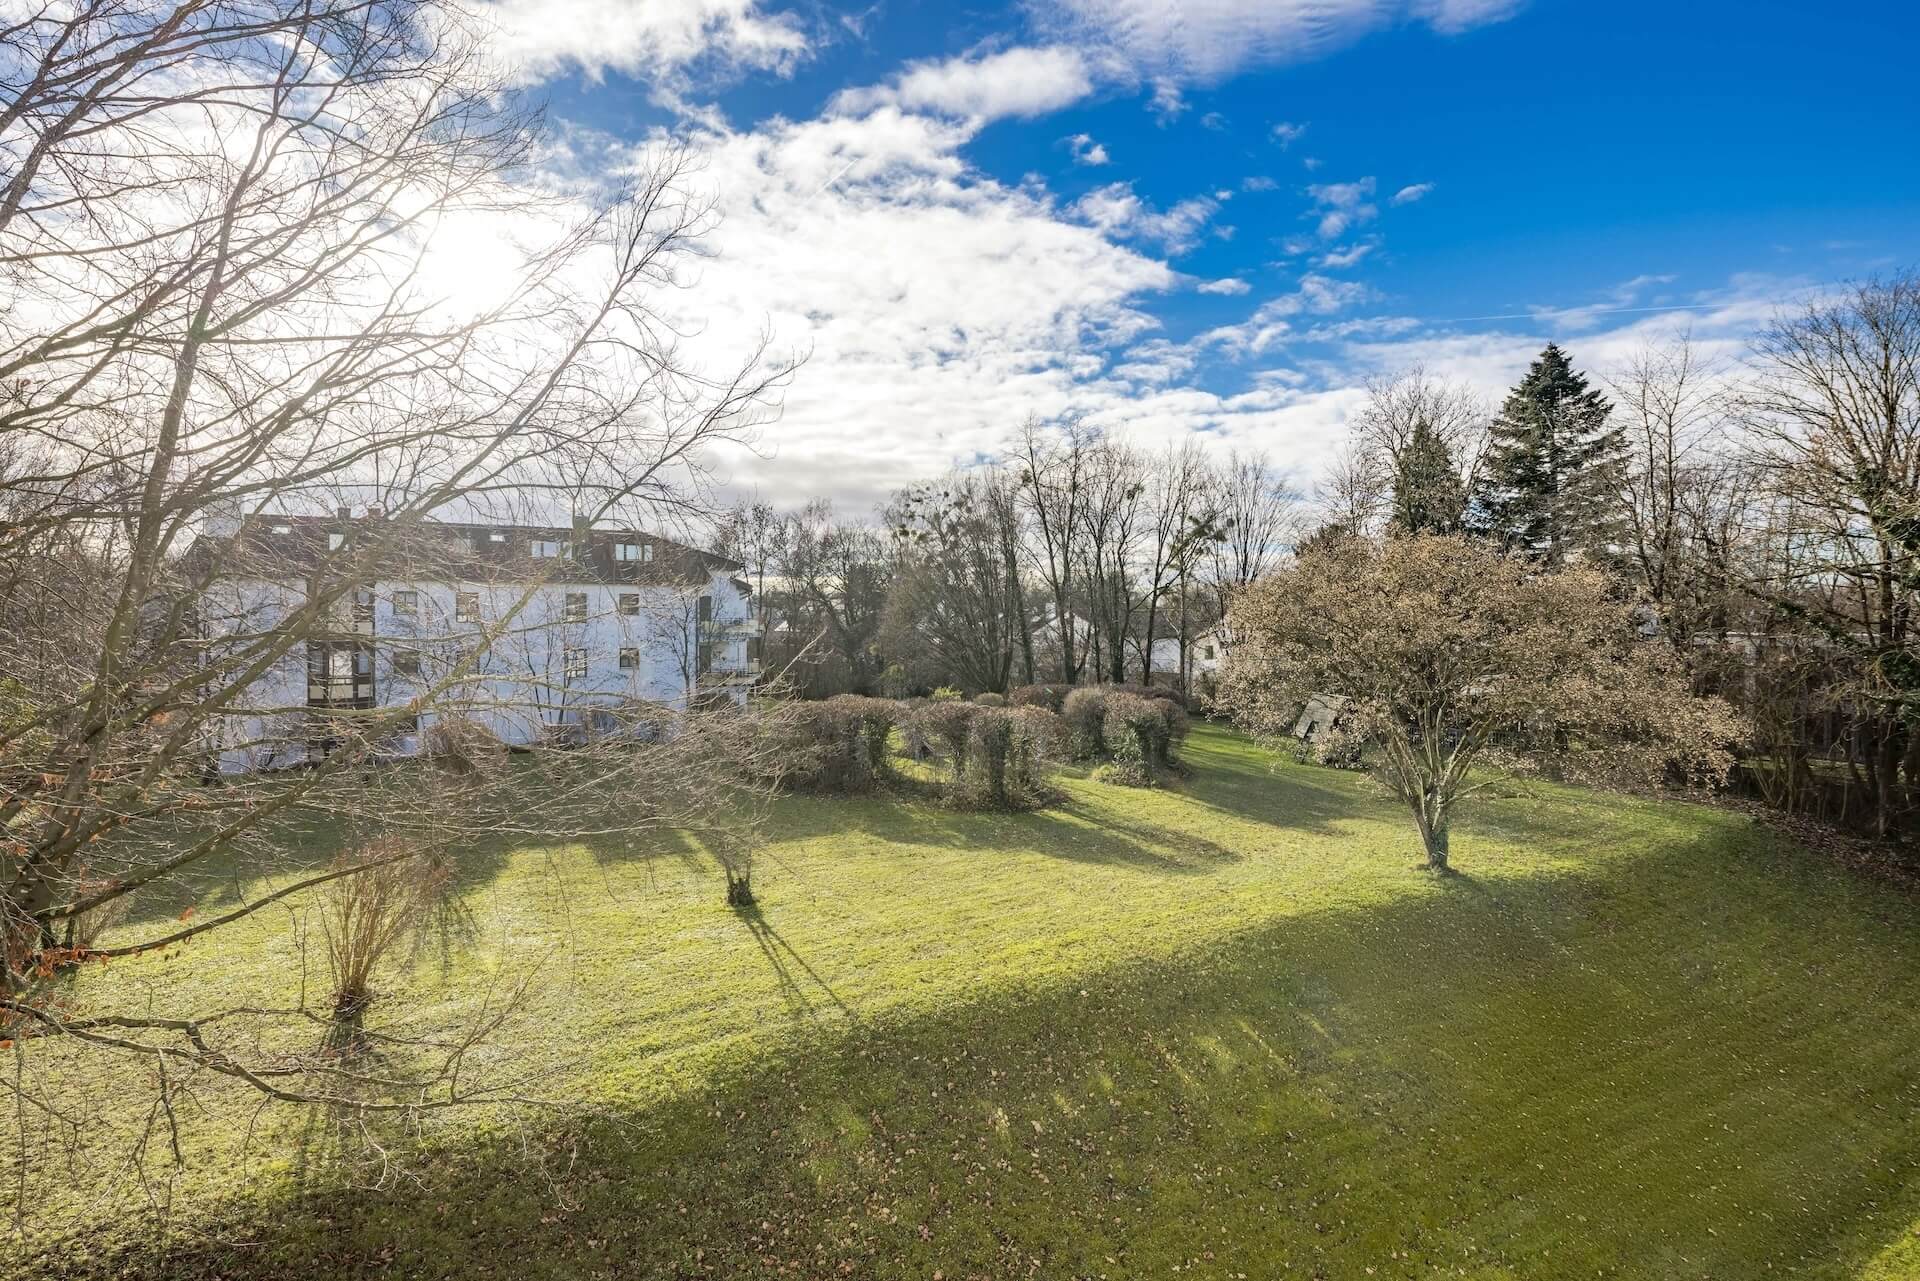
(988, 754)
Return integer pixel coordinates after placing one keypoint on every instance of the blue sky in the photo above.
(1290, 195)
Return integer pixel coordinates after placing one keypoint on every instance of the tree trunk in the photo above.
(1435, 839)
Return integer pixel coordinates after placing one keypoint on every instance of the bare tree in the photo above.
(1682, 484)
(956, 604)
(1835, 408)
(1185, 524)
(1115, 521)
(1053, 464)
(1259, 520)
(217, 234)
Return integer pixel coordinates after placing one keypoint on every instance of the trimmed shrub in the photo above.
(1085, 712)
(945, 727)
(1162, 693)
(989, 699)
(1136, 729)
(1039, 736)
(947, 694)
(839, 745)
(989, 744)
(1051, 697)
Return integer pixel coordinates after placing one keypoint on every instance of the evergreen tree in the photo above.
(1553, 465)
(1428, 497)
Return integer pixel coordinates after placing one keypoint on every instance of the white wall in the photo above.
(520, 687)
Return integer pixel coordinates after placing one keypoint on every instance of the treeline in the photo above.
(1077, 558)
(1764, 510)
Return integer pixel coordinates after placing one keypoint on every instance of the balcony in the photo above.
(724, 629)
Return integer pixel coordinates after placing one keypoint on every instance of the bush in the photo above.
(989, 699)
(1051, 697)
(1085, 712)
(1007, 752)
(1136, 731)
(839, 745)
(990, 743)
(461, 744)
(1039, 736)
(948, 694)
(1161, 693)
(944, 727)
(364, 913)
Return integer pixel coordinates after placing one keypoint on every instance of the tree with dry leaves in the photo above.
(1459, 664)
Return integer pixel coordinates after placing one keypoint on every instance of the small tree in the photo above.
(1461, 664)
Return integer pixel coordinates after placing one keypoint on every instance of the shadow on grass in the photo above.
(782, 959)
(1677, 1065)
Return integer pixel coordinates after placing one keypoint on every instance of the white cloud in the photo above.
(1286, 133)
(1407, 195)
(1021, 81)
(1341, 205)
(1116, 211)
(647, 39)
(1230, 285)
(1206, 41)
(1213, 120)
(1347, 257)
(1085, 150)
(1271, 322)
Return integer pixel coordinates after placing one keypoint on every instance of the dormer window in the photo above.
(549, 549)
(496, 537)
(283, 529)
(626, 551)
(336, 540)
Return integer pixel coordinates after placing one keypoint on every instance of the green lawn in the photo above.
(1222, 1031)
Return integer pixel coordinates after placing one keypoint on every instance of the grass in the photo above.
(1222, 1030)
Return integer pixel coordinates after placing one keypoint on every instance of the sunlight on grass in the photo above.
(1224, 1028)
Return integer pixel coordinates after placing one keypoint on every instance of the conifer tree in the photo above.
(1428, 497)
(1553, 464)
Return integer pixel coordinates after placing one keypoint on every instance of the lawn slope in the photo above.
(1224, 1031)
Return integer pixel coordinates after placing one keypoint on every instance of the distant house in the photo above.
(1205, 653)
(531, 631)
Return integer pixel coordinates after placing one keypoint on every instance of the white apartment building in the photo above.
(536, 632)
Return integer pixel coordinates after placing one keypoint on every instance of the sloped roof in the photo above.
(281, 547)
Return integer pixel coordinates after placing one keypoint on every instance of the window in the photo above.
(576, 610)
(1206, 651)
(646, 551)
(706, 609)
(283, 529)
(629, 659)
(630, 603)
(576, 662)
(406, 604)
(466, 607)
(626, 551)
(549, 549)
(496, 537)
(336, 540)
(406, 662)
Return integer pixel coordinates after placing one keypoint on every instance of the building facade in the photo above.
(535, 633)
